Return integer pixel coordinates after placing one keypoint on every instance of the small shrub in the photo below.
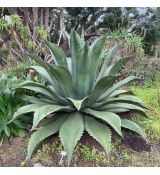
(8, 105)
(148, 71)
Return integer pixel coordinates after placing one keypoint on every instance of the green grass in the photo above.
(152, 124)
(149, 95)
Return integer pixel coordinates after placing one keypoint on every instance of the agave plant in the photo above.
(80, 95)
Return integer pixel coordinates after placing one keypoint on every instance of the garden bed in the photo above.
(88, 154)
(130, 152)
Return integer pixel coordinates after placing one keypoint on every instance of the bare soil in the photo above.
(124, 153)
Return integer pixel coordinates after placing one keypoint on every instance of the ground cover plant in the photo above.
(80, 95)
(8, 105)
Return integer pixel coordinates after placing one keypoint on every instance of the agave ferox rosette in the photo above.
(80, 94)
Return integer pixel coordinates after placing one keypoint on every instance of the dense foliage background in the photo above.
(135, 29)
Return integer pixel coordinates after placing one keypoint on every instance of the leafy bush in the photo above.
(148, 70)
(18, 38)
(130, 42)
(8, 105)
(18, 70)
(79, 95)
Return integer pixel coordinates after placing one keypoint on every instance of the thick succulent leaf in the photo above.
(98, 47)
(121, 83)
(130, 99)
(62, 100)
(50, 119)
(107, 58)
(112, 119)
(84, 72)
(76, 45)
(128, 124)
(37, 100)
(70, 132)
(101, 87)
(41, 62)
(26, 109)
(44, 111)
(64, 79)
(118, 65)
(43, 133)
(45, 65)
(97, 50)
(79, 104)
(37, 87)
(117, 110)
(131, 107)
(59, 55)
(120, 92)
(41, 71)
(106, 72)
(69, 62)
(98, 131)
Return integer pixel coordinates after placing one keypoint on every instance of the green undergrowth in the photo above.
(18, 70)
(151, 124)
